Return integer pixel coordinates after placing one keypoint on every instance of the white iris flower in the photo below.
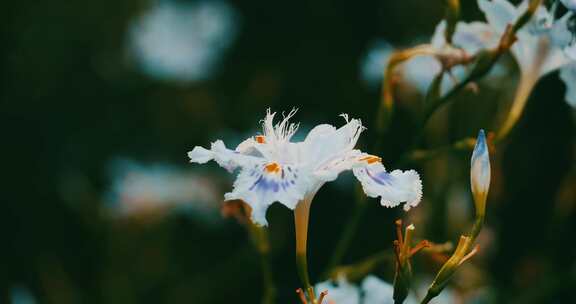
(421, 70)
(341, 292)
(371, 291)
(543, 45)
(274, 169)
(183, 42)
(469, 37)
(569, 4)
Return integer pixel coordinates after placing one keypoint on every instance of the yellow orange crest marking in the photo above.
(273, 168)
(260, 139)
(370, 159)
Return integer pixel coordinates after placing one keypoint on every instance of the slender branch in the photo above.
(452, 16)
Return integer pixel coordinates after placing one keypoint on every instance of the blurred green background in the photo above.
(82, 115)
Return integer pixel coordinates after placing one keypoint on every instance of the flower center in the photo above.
(273, 168)
(260, 139)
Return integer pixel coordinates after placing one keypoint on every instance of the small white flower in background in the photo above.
(372, 290)
(341, 292)
(182, 42)
(471, 37)
(571, 23)
(418, 72)
(376, 291)
(139, 189)
(569, 4)
(544, 44)
(274, 169)
(468, 38)
(21, 295)
(421, 70)
(375, 61)
(568, 75)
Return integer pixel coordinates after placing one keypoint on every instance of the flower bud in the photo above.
(480, 173)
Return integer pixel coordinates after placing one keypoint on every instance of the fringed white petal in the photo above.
(226, 158)
(262, 184)
(326, 144)
(330, 170)
(200, 155)
(282, 131)
(392, 188)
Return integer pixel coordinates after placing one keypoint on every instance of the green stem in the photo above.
(302, 266)
(477, 227)
(527, 82)
(524, 18)
(301, 216)
(522, 94)
(427, 298)
(449, 268)
(452, 16)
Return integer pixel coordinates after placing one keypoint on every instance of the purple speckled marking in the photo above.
(265, 184)
(382, 178)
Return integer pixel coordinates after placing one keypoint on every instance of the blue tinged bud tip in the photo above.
(480, 148)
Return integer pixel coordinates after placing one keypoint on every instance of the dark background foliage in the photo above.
(70, 104)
